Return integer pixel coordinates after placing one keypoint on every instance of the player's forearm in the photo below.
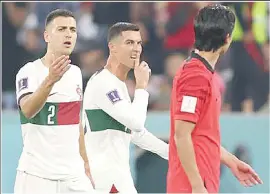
(226, 157)
(139, 110)
(186, 155)
(148, 141)
(32, 104)
(83, 152)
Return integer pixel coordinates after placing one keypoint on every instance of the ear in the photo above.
(112, 47)
(228, 38)
(46, 36)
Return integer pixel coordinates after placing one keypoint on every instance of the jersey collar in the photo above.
(207, 65)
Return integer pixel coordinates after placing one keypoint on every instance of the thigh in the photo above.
(77, 185)
(126, 185)
(29, 184)
(103, 181)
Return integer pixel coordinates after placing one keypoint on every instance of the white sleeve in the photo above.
(80, 82)
(83, 118)
(80, 92)
(132, 115)
(148, 141)
(26, 83)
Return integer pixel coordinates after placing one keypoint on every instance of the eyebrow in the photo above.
(71, 27)
(140, 41)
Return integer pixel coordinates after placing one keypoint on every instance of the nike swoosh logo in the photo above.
(53, 93)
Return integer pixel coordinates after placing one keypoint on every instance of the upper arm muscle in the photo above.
(23, 99)
(183, 128)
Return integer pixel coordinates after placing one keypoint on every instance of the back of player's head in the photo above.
(58, 13)
(118, 28)
(212, 25)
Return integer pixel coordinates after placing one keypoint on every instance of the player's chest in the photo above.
(124, 93)
(68, 88)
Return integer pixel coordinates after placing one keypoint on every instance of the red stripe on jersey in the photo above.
(68, 113)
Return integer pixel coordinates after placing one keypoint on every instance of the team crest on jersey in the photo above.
(79, 91)
(113, 96)
(23, 83)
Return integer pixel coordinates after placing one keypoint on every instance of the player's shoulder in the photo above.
(104, 73)
(28, 67)
(102, 80)
(75, 69)
(102, 76)
(192, 74)
(195, 67)
(74, 72)
(193, 71)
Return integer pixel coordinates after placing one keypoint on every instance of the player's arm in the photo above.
(82, 145)
(83, 154)
(190, 97)
(226, 157)
(82, 126)
(245, 174)
(31, 103)
(111, 100)
(185, 150)
(83, 151)
(31, 98)
(148, 141)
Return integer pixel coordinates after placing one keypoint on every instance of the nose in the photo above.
(137, 47)
(68, 34)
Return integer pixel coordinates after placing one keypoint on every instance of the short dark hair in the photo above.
(58, 13)
(120, 27)
(211, 26)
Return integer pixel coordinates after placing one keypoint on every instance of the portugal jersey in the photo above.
(51, 137)
(111, 118)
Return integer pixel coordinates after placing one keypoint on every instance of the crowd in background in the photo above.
(168, 37)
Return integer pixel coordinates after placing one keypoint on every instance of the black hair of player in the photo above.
(116, 29)
(58, 13)
(211, 26)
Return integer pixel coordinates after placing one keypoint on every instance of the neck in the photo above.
(116, 68)
(210, 57)
(49, 57)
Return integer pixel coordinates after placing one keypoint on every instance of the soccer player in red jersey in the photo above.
(195, 152)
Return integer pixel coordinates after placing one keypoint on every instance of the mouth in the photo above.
(134, 57)
(67, 43)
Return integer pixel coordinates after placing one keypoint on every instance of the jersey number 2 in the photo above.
(51, 114)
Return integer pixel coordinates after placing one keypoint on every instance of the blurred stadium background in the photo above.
(167, 33)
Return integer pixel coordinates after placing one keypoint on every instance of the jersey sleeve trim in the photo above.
(23, 95)
(187, 117)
